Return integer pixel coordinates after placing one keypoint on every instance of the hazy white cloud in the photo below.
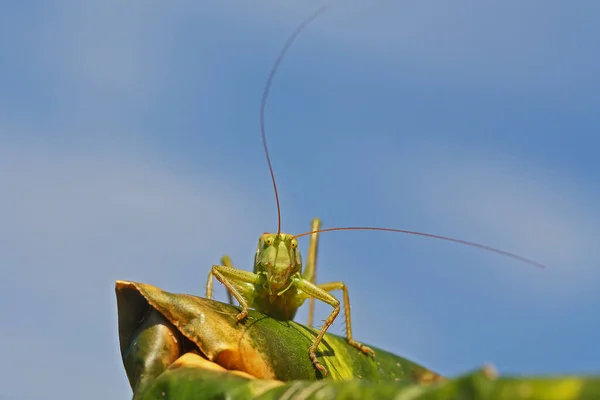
(58, 369)
(511, 203)
(77, 218)
(104, 46)
(505, 46)
(113, 201)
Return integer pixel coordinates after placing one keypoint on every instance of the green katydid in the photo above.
(278, 286)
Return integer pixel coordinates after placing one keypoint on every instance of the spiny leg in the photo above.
(226, 261)
(312, 290)
(341, 286)
(234, 280)
(310, 269)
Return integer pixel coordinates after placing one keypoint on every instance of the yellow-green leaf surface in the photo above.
(179, 346)
(189, 379)
(261, 346)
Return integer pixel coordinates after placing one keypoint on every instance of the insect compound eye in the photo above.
(294, 243)
(269, 240)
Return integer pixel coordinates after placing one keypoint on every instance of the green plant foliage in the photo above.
(178, 346)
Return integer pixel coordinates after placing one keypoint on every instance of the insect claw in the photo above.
(365, 349)
(243, 314)
(316, 363)
(321, 368)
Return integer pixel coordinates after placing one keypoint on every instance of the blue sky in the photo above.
(130, 149)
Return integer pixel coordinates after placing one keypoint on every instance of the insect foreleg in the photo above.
(239, 283)
(341, 286)
(309, 289)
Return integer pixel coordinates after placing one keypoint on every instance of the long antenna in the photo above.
(429, 235)
(263, 103)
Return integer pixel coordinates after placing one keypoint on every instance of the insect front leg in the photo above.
(239, 283)
(321, 292)
(341, 286)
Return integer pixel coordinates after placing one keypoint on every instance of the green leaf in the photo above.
(261, 346)
(178, 346)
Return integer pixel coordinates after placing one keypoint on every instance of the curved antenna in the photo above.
(263, 102)
(429, 235)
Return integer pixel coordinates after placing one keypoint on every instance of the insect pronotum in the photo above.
(277, 286)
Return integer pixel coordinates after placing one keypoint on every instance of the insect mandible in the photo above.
(277, 286)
